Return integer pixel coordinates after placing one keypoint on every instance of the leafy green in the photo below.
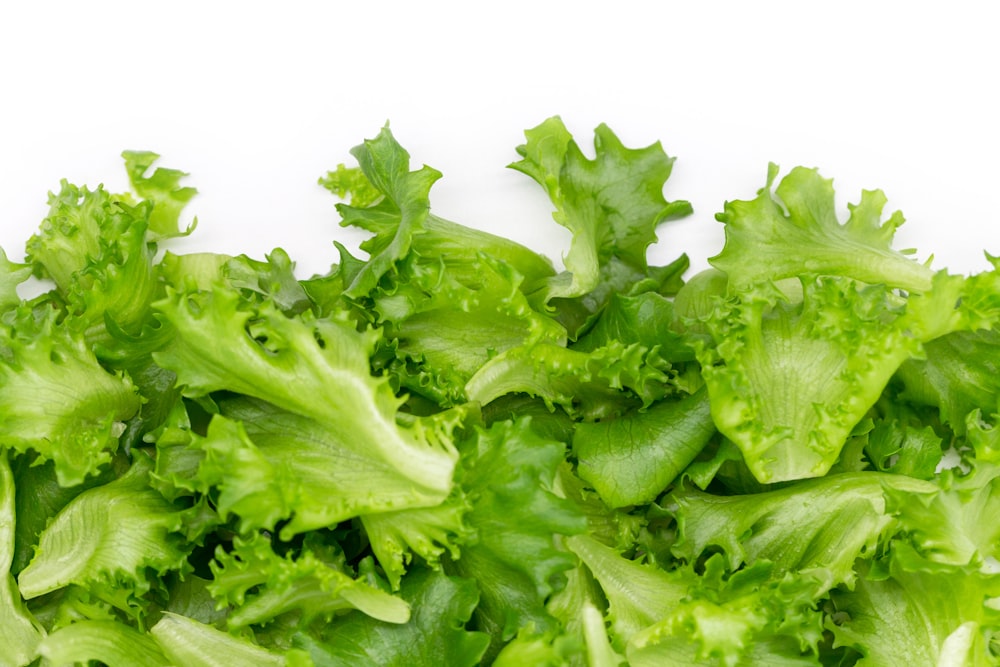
(434, 635)
(109, 537)
(797, 363)
(290, 366)
(793, 229)
(818, 526)
(612, 203)
(57, 400)
(162, 187)
(185, 641)
(444, 450)
(632, 459)
(11, 275)
(919, 614)
(19, 634)
(314, 584)
(509, 473)
(109, 642)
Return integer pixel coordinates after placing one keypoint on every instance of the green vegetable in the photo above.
(450, 452)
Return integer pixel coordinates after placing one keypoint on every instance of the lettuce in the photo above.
(445, 450)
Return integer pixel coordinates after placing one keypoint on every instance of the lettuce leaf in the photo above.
(612, 203)
(57, 400)
(19, 631)
(918, 614)
(109, 642)
(289, 366)
(313, 584)
(632, 459)
(817, 527)
(793, 228)
(434, 635)
(444, 451)
(509, 472)
(113, 540)
(185, 641)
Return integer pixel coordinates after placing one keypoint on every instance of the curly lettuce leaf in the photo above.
(794, 230)
(12, 274)
(442, 327)
(605, 382)
(403, 206)
(912, 612)
(638, 594)
(632, 459)
(737, 619)
(959, 373)
(38, 498)
(612, 203)
(272, 464)
(646, 318)
(434, 635)
(105, 641)
(583, 636)
(589, 647)
(57, 400)
(897, 446)
(110, 540)
(97, 249)
(163, 188)
(428, 532)
(295, 366)
(19, 631)
(187, 642)
(791, 376)
(953, 522)
(816, 527)
(619, 528)
(273, 278)
(261, 585)
(508, 473)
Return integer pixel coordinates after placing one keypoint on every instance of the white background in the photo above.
(257, 100)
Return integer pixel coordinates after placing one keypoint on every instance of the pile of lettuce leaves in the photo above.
(451, 452)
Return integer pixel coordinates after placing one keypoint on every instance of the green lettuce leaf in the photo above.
(743, 618)
(108, 642)
(405, 201)
(19, 632)
(632, 459)
(162, 188)
(187, 642)
(113, 540)
(12, 274)
(442, 326)
(920, 614)
(612, 203)
(638, 594)
(57, 400)
(606, 382)
(816, 527)
(953, 522)
(261, 585)
(959, 373)
(794, 230)
(273, 278)
(97, 249)
(225, 343)
(39, 497)
(434, 635)
(790, 377)
(428, 532)
(508, 473)
(901, 448)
